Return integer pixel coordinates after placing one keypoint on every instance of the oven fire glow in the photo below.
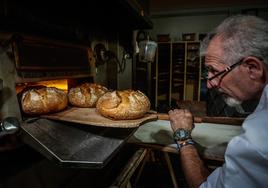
(60, 84)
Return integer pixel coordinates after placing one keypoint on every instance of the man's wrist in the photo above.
(181, 144)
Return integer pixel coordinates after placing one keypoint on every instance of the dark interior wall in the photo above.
(78, 20)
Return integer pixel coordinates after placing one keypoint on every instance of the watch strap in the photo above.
(185, 143)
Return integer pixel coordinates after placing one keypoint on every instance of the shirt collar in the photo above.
(263, 103)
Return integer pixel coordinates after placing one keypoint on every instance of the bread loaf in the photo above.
(123, 105)
(86, 95)
(43, 101)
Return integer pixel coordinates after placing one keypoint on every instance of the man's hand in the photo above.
(181, 118)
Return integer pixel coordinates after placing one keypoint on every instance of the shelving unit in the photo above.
(178, 70)
(193, 71)
(175, 74)
(163, 73)
(178, 73)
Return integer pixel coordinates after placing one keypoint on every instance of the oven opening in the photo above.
(62, 84)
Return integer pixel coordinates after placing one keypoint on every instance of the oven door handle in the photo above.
(9, 125)
(1, 84)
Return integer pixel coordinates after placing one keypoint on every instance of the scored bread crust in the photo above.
(123, 105)
(43, 101)
(86, 95)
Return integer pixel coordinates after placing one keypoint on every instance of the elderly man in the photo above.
(236, 55)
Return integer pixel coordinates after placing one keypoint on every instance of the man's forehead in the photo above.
(215, 46)
(214, 50)
(210, 58)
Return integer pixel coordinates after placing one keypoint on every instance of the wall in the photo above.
(196, 20)
(125, 77)
(116, 73)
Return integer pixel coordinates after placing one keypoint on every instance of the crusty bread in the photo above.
(121, 105)
(43, 100)
(86, 95)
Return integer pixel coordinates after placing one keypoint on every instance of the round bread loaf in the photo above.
(43, 101)
(86, 95)
(123, 105)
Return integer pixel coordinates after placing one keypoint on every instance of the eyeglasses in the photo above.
(226, 70)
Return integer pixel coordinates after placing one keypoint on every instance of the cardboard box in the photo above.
(189, 36)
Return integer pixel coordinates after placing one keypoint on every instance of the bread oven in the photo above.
(30, 62)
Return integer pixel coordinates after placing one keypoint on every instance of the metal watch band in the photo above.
(185, 143)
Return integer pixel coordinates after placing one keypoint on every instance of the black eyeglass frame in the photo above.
(226, 70)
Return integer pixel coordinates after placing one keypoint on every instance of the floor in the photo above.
(25, 167)
(156, 173)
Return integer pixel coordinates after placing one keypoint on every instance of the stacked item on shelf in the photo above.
(178, 67)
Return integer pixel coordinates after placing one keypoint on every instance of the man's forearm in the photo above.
(194, 170)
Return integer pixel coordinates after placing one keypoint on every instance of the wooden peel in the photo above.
(208, 119)
(89, 116)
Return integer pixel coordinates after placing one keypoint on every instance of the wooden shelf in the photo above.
(182, 60)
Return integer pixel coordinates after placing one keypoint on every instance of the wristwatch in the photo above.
(181, 135)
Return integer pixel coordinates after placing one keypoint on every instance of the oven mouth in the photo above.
(62, 84)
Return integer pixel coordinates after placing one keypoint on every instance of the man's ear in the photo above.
(254, 67)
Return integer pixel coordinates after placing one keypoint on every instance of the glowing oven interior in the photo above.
(60, 84)
(63, 84)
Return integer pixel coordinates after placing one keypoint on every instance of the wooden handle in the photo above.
(162, 116)
(223, 120)
(208, 119)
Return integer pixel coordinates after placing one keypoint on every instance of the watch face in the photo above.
(182, 134)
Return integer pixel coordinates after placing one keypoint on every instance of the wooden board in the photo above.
(209, 119)
(89, 116)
